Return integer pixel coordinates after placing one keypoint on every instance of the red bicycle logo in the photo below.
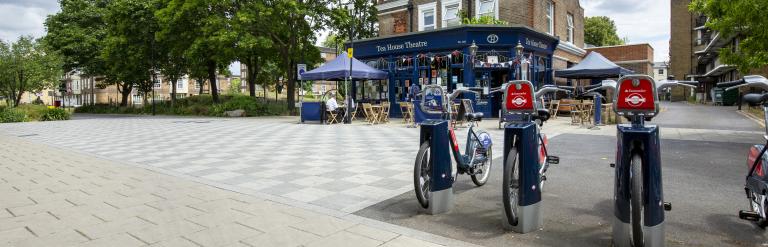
(635, 99)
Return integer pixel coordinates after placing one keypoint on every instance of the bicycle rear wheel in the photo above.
(636, 200)
(421, 174)
(511, 187)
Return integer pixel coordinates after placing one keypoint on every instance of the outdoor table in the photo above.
(376, 110)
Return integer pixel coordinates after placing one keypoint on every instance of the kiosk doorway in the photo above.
(493, 78)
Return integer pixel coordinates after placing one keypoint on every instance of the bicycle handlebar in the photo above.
(671, 83)
(727, 84)
(747, 81)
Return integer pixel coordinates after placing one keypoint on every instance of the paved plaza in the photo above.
(259, 181)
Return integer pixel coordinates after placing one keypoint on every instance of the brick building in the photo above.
(635, 57)
(563, 19)
(694, 53)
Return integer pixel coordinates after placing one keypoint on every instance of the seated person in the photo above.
(332, 106)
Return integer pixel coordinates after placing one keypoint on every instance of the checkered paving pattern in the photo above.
(339, 167)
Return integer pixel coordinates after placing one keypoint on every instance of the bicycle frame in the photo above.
(466, 159)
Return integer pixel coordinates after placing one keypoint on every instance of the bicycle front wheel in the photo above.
(482, 171)
(636, 200)
(511, 187)
(421, 175)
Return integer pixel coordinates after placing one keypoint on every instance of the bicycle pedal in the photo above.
(749, 215)
(553, 159)
(667, 206)
(612, 165)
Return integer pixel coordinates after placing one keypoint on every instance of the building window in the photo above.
(180, 84)
(157, 84)
(137, 99)
(570, 27)
(550, 19)
(661, 71)
(451, 13)
(487, 8)
(427, 16)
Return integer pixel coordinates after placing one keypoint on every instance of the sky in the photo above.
(641, 21)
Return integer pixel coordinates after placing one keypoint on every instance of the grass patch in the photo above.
(29, 112)
(198, 105)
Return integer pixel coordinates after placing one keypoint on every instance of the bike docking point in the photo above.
(653, 207)
(529, 199)
(441, 188)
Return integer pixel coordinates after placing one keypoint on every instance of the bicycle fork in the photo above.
(642, 140)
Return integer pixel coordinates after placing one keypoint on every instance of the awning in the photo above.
(594, 66)
(338, 70)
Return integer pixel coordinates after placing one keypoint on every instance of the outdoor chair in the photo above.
(406, 112)
(554, 106)
(332, 117)
(384, 114)
(370, 114)
(576, 113)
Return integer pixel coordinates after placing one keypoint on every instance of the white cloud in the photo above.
(641, 21)
(19, 18)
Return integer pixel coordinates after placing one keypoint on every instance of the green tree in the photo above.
(365, 20)
(333, 41)
(77, 33)
(255, 46)
(202, 31)
(745, 19)
(292, 31)
(601, 31)
(25, 66)
(129, 50)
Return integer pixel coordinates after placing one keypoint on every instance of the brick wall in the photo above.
(637, 57)
(681, 42)
(625, 52)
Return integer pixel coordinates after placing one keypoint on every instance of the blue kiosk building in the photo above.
(464, 56)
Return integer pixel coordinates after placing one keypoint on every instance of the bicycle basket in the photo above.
(433, 100)
(635, 95)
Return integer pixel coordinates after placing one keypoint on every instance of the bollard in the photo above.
(653, 204)
(441, 188)
(529, 201)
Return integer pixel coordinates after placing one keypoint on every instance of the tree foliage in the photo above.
(128, 49)
(202, 30)
(487, 20)
(26, 66)
(77, 33)
(601, 31)
(745, 19)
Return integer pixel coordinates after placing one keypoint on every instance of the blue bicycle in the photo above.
(477, 158)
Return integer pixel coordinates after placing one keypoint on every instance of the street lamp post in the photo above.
(352, 13)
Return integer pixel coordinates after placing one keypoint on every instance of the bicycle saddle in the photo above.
(542, 114)
(476, 116)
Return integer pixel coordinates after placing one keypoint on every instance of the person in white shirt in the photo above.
(331, 104)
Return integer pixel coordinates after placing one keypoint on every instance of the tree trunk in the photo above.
(124, 93)
(201, 82)
(253, 68)
(212, 79)
(173, 91)
(20, 92)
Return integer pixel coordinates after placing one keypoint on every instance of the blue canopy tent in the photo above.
(337, 70)
(594, 66)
